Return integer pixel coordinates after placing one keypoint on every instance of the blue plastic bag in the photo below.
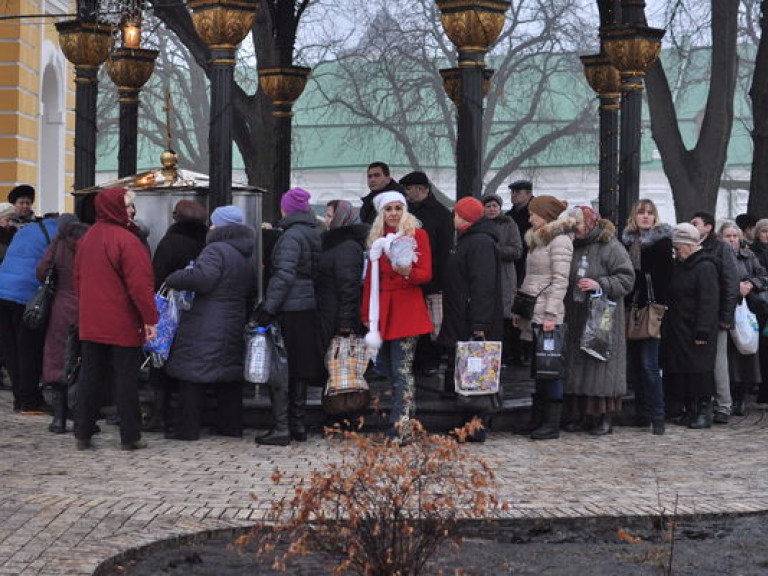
(168, 313)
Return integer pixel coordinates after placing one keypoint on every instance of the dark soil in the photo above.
(703, 546)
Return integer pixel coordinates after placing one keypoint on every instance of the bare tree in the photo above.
(694, 174)
(390, 81)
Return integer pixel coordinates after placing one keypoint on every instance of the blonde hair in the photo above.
(406, 227)
(643, 205)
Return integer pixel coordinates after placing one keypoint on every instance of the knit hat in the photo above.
(685, 233)
(415, 178)
(295, 200)
(8, 209)
(226, 216)
(761, 226)
(470, 209)
(521, 185)
(21, 191)
(384, 198)
(492, 198)
(547, 207)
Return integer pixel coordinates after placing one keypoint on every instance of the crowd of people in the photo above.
(411, 275)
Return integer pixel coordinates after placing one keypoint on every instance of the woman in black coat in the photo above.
(689, 330)
(339, 283)
(209, 347)
(472, 296)
(182, 243)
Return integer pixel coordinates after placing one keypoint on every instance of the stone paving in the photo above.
(63, 512)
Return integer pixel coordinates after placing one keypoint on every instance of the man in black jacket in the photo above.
(437, 222)
(521, 192)
(379, 181)
(728, 277)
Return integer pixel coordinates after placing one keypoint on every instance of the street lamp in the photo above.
(632, 49)
(605, 80)
(222, 25)
(86, 45)
(472, 26)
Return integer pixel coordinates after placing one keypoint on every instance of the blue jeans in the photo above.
(643, 357)
(551, 389)
(395, 361)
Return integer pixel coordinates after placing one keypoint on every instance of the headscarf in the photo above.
(588, 215)
(343, 215)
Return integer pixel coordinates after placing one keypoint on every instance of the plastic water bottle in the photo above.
(581, 272)
(257, 356)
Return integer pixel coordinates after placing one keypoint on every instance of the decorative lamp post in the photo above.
(605, 80)
(222, 25)
(452, 83)
(86, 45)
(129, 68)
(283, 85)
(472, 26)
(633, 50)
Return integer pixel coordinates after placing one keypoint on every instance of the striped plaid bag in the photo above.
(346, 390)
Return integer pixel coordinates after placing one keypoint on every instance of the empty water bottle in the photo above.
(581, 272)
(257, 356)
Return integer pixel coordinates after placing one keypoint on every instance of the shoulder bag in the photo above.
(38, 309)
(644, 322)
(524, 304)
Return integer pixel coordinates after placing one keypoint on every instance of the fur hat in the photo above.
(295, 200)
(21, 191)
(470, 209)
(547, 207)
(685, 233)
(384, 198)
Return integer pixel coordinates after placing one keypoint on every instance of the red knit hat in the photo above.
(470, 209)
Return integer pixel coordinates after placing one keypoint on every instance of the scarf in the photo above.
(344, 215)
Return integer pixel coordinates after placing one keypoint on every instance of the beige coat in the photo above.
(547, 268)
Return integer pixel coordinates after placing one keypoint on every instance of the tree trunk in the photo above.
(694, 175)
(758, 93)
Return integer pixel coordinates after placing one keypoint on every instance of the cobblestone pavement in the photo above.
(64, 511)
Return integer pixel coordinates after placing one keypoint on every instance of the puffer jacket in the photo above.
(725, 260)
(548, 265)
(18, 282)
(294, 265)
(209, 345)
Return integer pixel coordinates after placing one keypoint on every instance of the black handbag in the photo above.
(38, 309)
(524, 304)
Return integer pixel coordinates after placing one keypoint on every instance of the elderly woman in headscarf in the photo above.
(340, 272)
(601, 264)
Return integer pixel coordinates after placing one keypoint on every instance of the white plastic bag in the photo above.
(745, 332)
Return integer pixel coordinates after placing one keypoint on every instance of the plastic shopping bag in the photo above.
(597, 340)
(478, 367)
(549, 356)
(746, 331)
(160, 347)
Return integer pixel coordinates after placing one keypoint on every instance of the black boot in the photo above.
(297, 395)
(59, 400)
(739, 395)
(604, 426)
(536, 417)
(550, 428)
(688, 414)
(156, 422)
(279, 435)
(703, 416)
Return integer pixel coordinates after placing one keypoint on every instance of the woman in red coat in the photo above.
(393, 303)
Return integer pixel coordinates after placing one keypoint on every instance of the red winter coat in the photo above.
(113, 277)
(402, 310)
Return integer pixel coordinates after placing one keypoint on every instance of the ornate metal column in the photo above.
(606, 81)
(283, 85)
(472, 26)
(222, 25)
(86, 45)
(633, 50)
(129, 69)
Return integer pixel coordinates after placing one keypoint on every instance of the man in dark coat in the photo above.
(472, 296)
(437, 223)
(379, 181)
(115, 287)
(728, 278)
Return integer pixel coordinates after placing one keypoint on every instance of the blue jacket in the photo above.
(17, 272)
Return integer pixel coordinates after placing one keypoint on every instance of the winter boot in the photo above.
(297, 394)
(604, 426)
(703, 414)
(156, 422)
(536, 417)
(59, 401)
(739, 395)
(550, 428)
(279, 435)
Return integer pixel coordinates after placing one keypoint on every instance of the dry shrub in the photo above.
(384, 508)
